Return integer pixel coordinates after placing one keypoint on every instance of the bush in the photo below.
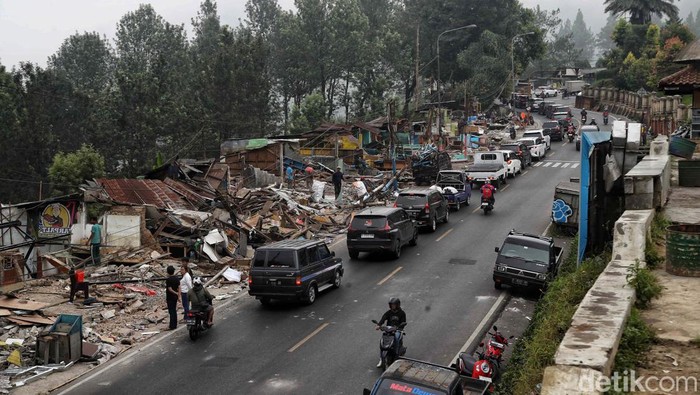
(645, 284)
(636, 341)
(552, 318)
(658, 228)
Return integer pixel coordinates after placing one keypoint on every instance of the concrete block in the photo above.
(630, 233)
(570, 380)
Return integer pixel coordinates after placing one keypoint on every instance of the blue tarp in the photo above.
(588, 140)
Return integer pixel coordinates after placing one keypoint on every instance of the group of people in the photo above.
(337, 178)
(190, 292)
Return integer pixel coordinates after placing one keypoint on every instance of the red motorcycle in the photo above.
(479, 367)
(496, 345)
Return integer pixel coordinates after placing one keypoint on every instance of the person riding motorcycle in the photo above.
(584, 113)
(395, 316)
(201, 300)
(487, 186)
(593, 122)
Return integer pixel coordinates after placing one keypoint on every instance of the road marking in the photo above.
(525, 172)
(556, 164)
(445, 234)
(538, 164)
(480, 328)
(385, 279)
(312, 334)
(575, 165)
(476, 209)
(565, 165)
(340, 239)
(505, 187)
(547, 164)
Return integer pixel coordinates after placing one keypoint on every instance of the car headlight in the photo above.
(542, 276)
(485, 367)
(500, 268)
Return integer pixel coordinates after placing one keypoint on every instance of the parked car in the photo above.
(455, 187)
(542, 109)
(489, 166)
(536, 145)
(539, 133)
(425, 205)
(380, 229)
(513, 164)
(526, 260)
(553, 130)
(521, 151)
(295, 270)
(565, 109)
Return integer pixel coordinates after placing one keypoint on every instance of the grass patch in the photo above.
(637, 339)
(552, 318)
(646, 285)
(652, 257)
(658, 228)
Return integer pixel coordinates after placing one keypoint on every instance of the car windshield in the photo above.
(532, 134)
(411, 199)
(530, 258)
(511, 147)
(392, 387)
(561, 116)
(280, 258)
(548, 125)
(528, 143)
(368, 222)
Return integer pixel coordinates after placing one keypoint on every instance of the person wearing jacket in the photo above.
(201, 300)
(395, 316)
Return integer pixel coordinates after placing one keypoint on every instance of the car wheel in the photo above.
(447, 216)
(457, 206)
(337, 279)
(354, 254)
(433, 224)
(311, 294)
(414, 240)
(397, 249)
(497, 285)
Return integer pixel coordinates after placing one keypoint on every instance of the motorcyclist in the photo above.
(593, 122)
(201, 300)
(395, 316)
(512, 131)
(491, 191)
(584, 113)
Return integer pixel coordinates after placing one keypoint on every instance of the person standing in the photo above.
(95, 240)
(337, 182)
(185, 286)
(290, 177)
(309, 177)
(172, 296)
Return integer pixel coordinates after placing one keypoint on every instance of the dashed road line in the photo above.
(444, 234)
(385, 279)
(547, 164)
(556, 164)
(307, 338)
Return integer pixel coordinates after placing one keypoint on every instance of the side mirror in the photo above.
(481, 344)
(511, 337)
(497, 250)
(332, 253)
(366, 391)
(375, 322)
(495, 328)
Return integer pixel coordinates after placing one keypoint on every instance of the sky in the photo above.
(33, 30)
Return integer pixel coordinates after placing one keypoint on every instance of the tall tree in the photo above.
(604, 39)
(583, 37)
(86, 60)
(641, 11)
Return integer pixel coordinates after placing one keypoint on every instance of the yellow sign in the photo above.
(55, 220)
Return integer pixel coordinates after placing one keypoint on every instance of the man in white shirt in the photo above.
(185, 286)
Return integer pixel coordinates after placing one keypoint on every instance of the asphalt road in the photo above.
(331, 347)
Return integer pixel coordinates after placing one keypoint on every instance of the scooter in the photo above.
(486, 205)
(584, 118)
(497, 345)
(196, 323)
(480, 367)
(571, 135)
(390, 350)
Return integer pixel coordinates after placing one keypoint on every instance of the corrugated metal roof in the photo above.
(143, 192)
(689, 53)
(688, 76)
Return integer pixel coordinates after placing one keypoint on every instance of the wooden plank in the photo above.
(20, 304)
(5, 312)
(55, 262)
(34, 319)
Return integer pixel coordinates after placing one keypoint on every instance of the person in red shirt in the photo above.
(488, 191)
(309, 176)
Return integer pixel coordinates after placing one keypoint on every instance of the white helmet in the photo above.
(197, 281)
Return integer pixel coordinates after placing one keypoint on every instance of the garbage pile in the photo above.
(427, 163)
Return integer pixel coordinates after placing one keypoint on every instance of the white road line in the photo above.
(476, 209)
(547, 164)
(385, 279)
(556, 164)
(505, 187)
(312, 334)
(525, 172)
(444, 234)
(340, 240)
(538, 164)
(565, 165)
(480, 328)
(575, 165)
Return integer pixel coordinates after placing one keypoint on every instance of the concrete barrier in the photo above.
(648, 183)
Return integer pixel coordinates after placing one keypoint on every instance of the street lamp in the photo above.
(438, 76)
(512, 55)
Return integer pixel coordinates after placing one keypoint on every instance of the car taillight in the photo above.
(427, 208)
(250, 280)
(297, 281)
(510, 161)
(387, 227)
(395, 205)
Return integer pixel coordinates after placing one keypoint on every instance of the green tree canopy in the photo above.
(641, 11)
(69, 170)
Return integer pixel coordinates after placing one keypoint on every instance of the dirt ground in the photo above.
(677, 360)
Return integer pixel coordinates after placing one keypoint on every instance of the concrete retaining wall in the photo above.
(589, 347)
(648, 183)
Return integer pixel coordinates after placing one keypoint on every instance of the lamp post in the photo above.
(512, 55)
(438, 76)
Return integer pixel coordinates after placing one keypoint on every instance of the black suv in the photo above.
(293, 269)
(553, 130)
(521, 151)
(427, 206)
(381, 229)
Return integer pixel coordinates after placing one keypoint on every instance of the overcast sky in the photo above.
(32, 30)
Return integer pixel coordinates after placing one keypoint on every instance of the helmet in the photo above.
(395, 301)
(197, 281)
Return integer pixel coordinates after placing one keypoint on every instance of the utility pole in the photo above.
(417, 88)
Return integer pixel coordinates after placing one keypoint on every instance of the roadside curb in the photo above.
(116, 361)
(483, 327)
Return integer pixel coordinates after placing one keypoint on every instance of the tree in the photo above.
(86, 60)
(604, 38)
(641, 11)
(310, 114)
(583, 37)
(69, 170)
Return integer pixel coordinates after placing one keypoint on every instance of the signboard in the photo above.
(56, 219)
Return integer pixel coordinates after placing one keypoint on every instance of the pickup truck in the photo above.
(488, 166)
(539, 133)
(456, 188)
(411, 376)
(537, 146)
(526, 260)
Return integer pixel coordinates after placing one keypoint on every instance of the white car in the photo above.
(513, 164)
(540, 133)
(546, 91)
(537, 146)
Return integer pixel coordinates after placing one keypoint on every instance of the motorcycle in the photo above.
(481, 367)
(584, 118)
(605, 118)
(496, 345)
(390, 349)
(486, 205)
(196, 323)
(571, 134)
